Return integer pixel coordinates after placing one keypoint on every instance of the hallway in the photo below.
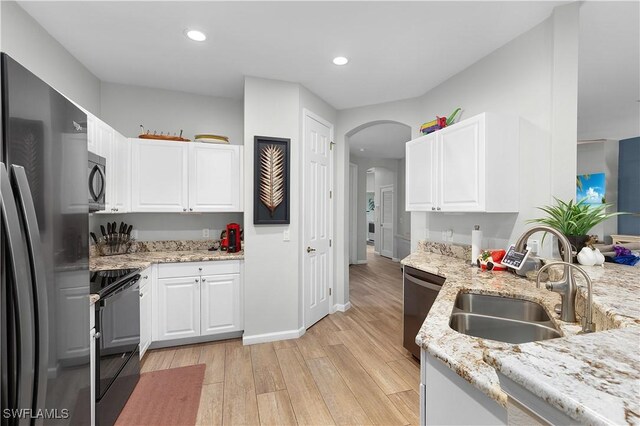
(349, 368)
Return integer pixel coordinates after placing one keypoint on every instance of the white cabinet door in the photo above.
(214, 177)
(159, 176)
(145, 311)
(220, 300)
(421, 163)
(177, 313)
(120, 174)
(461, 170)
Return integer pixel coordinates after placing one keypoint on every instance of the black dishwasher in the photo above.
(420, 291)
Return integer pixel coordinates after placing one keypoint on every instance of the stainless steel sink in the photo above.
(503, 307)
(504, 319)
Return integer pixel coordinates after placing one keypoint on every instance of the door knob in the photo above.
(309, 249)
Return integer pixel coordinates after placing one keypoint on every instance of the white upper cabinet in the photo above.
(185, 177)
(106, 142)
(421, 173)
(461, 166)
(471, 166)
(214, 177)
(159, 176)
(120, 175)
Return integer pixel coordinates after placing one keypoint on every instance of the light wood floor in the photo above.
(349, 368)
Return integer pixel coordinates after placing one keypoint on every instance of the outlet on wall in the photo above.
(205, 233)
(285, 235)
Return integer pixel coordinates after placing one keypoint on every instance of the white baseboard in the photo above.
(341, 307)
(376, 252)
(395, 259)
(360, 262)
(272, 337)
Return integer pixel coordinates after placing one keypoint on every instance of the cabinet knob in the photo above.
(438, 208)
(145, 277)
(184, 210)
(433, 208)
(204, 280)
(197, 280)
(190, 210)
(199, 269)
(97, 335)
(141, 295)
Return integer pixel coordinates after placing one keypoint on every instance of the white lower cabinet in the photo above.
(197, 299)
(178, 308)
(220, 303)
(145, 310)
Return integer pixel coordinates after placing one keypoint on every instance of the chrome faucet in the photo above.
(567, 287)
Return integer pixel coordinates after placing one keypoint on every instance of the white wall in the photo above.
(29, 44)
(516, 79)
(169, 226)
(126, 107)
(384, 173)
(271, 108)
(602, 157)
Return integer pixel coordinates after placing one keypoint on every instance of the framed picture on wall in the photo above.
(591, 188)
(271, 181)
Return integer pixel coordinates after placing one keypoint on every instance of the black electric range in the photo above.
(117, 340)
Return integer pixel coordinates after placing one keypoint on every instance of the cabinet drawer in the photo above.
(192, 269)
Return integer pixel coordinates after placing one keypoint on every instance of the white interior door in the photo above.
(386, 221)
(317, 219)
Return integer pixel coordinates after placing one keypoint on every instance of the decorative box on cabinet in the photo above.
(471, 166)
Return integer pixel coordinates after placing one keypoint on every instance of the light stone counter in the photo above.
(616, 303)
(142, 260)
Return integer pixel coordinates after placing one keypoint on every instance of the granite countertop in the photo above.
(142, 260)
(616, 302)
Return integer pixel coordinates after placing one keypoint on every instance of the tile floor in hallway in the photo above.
(349, 368)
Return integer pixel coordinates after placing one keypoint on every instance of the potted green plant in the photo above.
(574, 220)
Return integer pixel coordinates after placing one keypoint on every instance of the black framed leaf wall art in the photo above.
(271, 181)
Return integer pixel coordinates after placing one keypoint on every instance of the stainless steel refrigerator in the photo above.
(44, 250)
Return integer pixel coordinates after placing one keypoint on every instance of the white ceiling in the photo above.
(385, 140)
(609, 70)
(397, 50)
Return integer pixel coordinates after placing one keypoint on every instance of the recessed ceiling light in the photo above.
(361, 149)
(196, 35)
(340, 60)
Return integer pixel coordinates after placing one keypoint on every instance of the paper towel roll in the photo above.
(476, 243)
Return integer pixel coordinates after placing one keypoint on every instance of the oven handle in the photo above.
(421, 283)
(128, 284)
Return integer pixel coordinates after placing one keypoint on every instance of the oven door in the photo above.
(118, 325)
(97, 182)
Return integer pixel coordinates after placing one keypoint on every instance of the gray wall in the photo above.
(28, 43)
(126, 107)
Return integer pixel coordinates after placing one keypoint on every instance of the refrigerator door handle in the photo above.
(39, 281)
(22, 294)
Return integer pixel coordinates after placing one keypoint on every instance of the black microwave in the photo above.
(97, 182)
